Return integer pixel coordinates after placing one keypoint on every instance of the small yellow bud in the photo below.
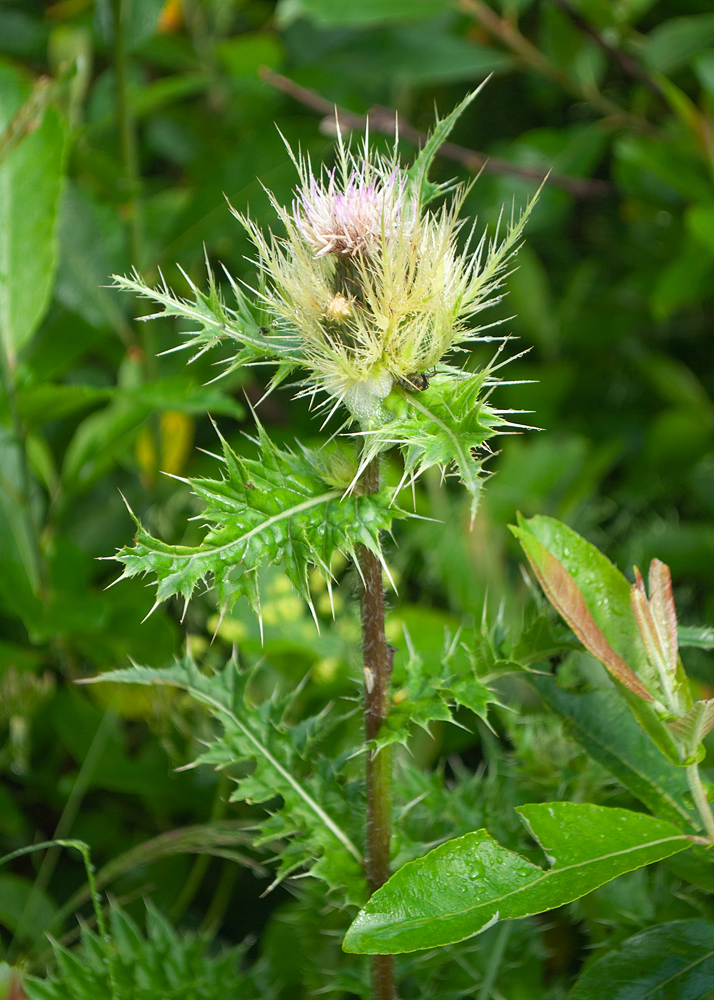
(338, 309)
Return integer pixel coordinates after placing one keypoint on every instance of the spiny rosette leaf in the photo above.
(447, 425)
(314, 788)
(425, 692)
(286, 507)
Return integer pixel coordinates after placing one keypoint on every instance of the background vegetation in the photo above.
(123, 128)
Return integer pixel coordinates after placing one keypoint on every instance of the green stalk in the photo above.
(377, 657)
(700, 800)
(127, 134)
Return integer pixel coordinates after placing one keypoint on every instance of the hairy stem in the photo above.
(377, 657)
(700, 799)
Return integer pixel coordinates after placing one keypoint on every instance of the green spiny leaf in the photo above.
(444, 425)
(310, 837)
(419, 170)
(278, 509)
(159, 963)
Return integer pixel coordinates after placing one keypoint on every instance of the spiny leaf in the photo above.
(212, 320)
(465, 885)
(420, 184)
(159, 963)
(426, 692)
(446, 424)
(277, 509)
(311, 838)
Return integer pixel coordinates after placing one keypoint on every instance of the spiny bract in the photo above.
(368, 285)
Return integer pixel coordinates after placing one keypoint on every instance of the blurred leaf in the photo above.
(462, 887)
(52, 401)
(699, 636)
(683, 282)
(31, 177)
(356, 13)
(141, 20)
(530, 294)
(92, 247)
(700, 222)
(671, 45)
(601, 723)
(19, 567)
(16, 894)
(703, 66)
(243, 55)
(674, 961)
(420, 55)
(157, 963)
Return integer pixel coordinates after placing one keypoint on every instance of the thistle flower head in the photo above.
(352, 217)
(369, 286)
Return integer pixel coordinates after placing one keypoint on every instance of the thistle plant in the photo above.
(366, 299)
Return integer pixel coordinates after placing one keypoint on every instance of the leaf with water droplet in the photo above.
(436, 900)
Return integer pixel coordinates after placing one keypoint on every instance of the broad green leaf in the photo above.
(30, 183)
(600, 721)
(52, 401)
(674, 961)
(283, 508)
(101, 436)
(18, 896)
(592, 596)
(465, 885)
(308, 834)
(91, 247)
(420, 56)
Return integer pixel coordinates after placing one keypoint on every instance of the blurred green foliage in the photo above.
(124, 125)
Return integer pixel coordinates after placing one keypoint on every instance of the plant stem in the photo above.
(127, 134)
(700, 799)
(377, 657)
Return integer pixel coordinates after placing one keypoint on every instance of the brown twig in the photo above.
(511, 37)
(384, 119)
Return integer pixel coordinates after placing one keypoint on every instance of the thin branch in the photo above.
(383, 120)
(512, 38)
